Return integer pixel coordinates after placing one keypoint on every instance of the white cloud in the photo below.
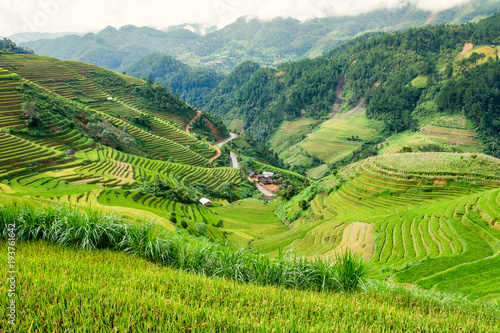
(88, 15)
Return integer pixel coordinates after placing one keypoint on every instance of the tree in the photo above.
(31, 114)
(448, 72)
(289, 193)
(303, 204)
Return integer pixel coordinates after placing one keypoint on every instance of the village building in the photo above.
(70, 152)
(206, 202)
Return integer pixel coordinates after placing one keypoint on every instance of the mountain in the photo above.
(192, 84)
(200, 29)
(101, 176)
(267, 42)
(25, 37)
(319, 112)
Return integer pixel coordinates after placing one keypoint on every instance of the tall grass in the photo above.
(92, 230)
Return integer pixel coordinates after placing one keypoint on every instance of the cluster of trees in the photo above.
(106, 133)
(8, 46)
(207, 123)
(264, 97)
(192, 84)
(158, 98)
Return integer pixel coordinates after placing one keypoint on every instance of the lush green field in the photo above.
(444, 138)
(331, 142)
(418, 218)
(290, 133)
(117, 292)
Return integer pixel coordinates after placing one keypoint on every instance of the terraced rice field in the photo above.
(447, 139)
(72, 80)
(17, 154)
(10, 100)
(431, 219)
(109, 164)
(330, 143)
(428, 228)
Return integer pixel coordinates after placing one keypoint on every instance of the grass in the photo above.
(420, 82)
(290, 133)
(330, 142)
(442, 137)
(111, 291)
(91, 230)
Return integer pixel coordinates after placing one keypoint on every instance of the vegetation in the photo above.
(8, 46)
(211, 304)
(90, 230)
(267, 42)
(190, 83)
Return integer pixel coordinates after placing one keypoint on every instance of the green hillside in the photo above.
(267, 42)
(77, 134)
(385, 211)
(376, 93)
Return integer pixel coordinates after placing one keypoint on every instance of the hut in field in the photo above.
(109, 99)
(268, 174)
(206, 202)
(70, 152)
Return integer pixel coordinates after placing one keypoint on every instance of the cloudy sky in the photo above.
(18, 16)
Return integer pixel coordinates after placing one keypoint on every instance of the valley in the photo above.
(355, 190)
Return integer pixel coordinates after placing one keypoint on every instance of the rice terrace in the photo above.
(266, 176)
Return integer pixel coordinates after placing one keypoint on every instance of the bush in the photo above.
(201, 228)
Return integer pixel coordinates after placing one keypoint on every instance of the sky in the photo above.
(21, 16)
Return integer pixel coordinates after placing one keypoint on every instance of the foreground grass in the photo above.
(63, 289)
(92, 230)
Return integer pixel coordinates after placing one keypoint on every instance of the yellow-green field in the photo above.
(486, 49)
(291, 132)
(249, 220)
(447, 139)
(420, 82)
(330, 142)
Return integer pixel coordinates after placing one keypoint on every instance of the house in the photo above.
(268, 174)
(266, 180)
(206, 202)
(70, 152)
(109, 99)
(252, 174)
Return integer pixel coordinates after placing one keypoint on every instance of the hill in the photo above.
(422, 218)
(343, 106)
(267, 42)
(75, 133)
(190, 83)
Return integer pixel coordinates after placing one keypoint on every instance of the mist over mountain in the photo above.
(268, 42)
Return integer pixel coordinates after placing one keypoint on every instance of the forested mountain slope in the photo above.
(404, 79)
(267, 42)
